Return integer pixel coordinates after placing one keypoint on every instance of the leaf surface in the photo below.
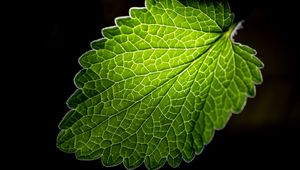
(158, 84)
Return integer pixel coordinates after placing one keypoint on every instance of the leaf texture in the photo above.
(158, 84)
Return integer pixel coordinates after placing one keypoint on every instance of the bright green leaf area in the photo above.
(158, 85)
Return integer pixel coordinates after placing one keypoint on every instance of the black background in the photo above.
(56, 33)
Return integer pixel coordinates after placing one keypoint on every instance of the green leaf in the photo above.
(158, 84)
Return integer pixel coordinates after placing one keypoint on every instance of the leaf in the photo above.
(158, 84)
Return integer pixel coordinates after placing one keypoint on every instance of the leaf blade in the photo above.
(158, 84)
